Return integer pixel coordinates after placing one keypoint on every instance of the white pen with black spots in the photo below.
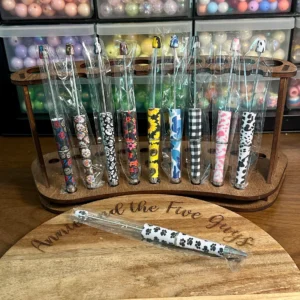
(158, 234)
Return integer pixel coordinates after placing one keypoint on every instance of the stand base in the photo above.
(257, 196)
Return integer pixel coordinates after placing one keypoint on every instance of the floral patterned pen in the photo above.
(129, 121)
(59, 126)
(81, 126)
(158, 234)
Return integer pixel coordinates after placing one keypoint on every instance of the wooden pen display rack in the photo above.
(260, 193)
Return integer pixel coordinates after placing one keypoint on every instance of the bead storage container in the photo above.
(21, 42)
(46, 9)
(143, 34)
(293, 92)
(124, 9)
(217, 35)
(39, 106)
(228, 7)
(38, 100)
(295, 48)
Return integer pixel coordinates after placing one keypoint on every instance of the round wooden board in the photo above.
(60, 260)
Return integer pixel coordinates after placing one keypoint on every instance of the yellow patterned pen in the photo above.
(154, 119)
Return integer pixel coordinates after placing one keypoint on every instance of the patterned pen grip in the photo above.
(195, 126)
(246, 138)
(154, 142)
(129, 119)
(81, 131)
(108, 136)
(171, 237)
(63, 148)
(223, 128)
(175, 137)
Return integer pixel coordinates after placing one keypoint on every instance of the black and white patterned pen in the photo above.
(153, 233)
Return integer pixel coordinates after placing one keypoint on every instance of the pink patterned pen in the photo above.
(223, 126)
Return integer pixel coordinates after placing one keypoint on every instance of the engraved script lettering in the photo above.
(51, 239)
(142, 206)
(181, 211)
(235, 235)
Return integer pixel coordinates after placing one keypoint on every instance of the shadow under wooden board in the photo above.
(61, 260)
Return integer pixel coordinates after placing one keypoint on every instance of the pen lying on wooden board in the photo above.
(158, 234)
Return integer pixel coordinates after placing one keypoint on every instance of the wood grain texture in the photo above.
(234, 205)
(67, 261)
(257, 189)
(142, 66)
(21, 210)
(286, 296)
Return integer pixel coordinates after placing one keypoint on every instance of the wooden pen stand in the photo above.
(261, 192)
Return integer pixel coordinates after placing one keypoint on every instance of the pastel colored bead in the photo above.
(279, 36)
(29, 62)
(212, 7)
(21, 51)
(53, 41)
(38, 40)
(298, 87)
(279, 54)
(8, 5)
(264, 6)
(87, 40)
(33, 51)
(21, 10)
(77, 49)
(170, 7)
(283, 5)
(227, 46)
(58, 4)
(34, 10)
(293, 92)
(68, 40)
(245, 35)
(245, 46)
(273, 6)
(204, 38)
(84, 9)
(119, 9)
(16, 63)
(223, 7)
(201, 9)
(242, 7)
(71, 9)
(266, 54)
(220, 38)
(27, 2)
(157, 7)
(113, 2)
(253, 6)
(131, 9)
(145, 8)
(48, 10)
(293, 102)
(61, 51)
(14, 41)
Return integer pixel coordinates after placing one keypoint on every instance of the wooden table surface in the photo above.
(21, 211)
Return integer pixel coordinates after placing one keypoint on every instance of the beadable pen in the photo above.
(158, 234)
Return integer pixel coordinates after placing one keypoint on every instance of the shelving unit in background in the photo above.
(15, 121)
